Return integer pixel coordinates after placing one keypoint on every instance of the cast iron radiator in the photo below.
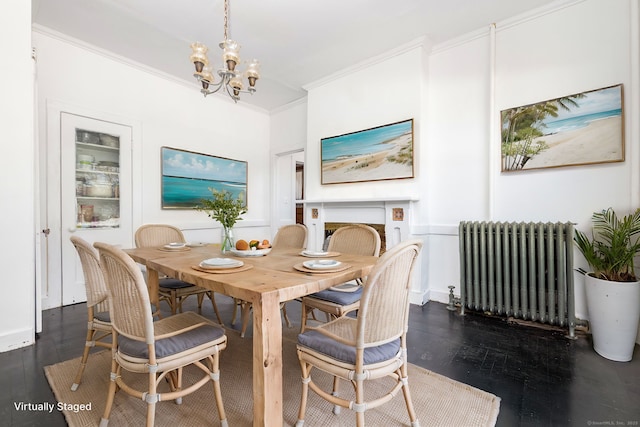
(520, 270)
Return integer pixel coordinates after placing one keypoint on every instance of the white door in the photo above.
(95, 200)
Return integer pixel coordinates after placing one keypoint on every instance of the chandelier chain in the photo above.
(226, 19)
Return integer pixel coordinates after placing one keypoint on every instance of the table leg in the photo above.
(153, 283)
(267, 362)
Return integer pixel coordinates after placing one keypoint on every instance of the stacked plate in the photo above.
(321, 264)
(220, 263)
(314, 253)
(175, 245)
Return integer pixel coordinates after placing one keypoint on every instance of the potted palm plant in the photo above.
(612, 288)
(225, 209)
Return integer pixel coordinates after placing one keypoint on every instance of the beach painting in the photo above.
(380, 153)
(188, 176)
(580, 129)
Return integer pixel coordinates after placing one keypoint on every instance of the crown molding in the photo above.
(505, 24)
(421, 42)
(48, 32)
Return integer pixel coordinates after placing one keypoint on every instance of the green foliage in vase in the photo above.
(223, 207)
(613, 245)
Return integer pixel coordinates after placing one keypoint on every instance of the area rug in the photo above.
(439, 401)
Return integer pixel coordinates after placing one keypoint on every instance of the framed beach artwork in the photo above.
(380, 153)
(580, 129)
(188, 176)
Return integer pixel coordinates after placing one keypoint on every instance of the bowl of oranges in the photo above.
(251, 248)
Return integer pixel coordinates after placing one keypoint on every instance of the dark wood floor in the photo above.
(543, 378)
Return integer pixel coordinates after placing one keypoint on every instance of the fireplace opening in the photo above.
(331, 227)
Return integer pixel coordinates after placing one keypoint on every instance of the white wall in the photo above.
(169, 113)
(289, 128)
(551, 53)
(288, 139)
(17, 187)
(539, 58)
(386, 91)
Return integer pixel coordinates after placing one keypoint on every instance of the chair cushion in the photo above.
(173, 345)
(322, 344)
(173, 284)
(338, 297)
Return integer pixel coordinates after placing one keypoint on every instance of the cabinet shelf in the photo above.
(96, 198)
(97, 224)
(95, 172)
(98, 147)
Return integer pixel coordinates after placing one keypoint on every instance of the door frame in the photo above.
(49, 190)
(287, 192)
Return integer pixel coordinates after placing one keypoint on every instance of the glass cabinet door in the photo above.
(96, 196)
(97, 179)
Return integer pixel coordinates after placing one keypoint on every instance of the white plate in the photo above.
(250, 253)
(314, 253)
(196, 244)
(221, 262)
(321, 264)
(175, 245)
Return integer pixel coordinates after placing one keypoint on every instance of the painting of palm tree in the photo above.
(578, 129)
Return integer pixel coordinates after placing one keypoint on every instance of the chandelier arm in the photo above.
(231, 94)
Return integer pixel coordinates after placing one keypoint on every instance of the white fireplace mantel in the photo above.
(393, 212)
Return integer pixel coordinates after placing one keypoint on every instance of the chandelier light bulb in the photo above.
(231, 55)
(236, 84)
(253, 72)
(206, 77)
(199, 56)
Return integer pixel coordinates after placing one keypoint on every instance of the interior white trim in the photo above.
(420, 42)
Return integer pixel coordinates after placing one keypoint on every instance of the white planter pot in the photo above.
(614, 312)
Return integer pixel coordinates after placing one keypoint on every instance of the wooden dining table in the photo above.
(266, 282)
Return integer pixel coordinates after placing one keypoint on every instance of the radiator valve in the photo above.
(452, 299)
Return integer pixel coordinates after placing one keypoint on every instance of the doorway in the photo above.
(288, 173)
(299, 192)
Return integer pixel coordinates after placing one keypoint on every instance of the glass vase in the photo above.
(227, 239)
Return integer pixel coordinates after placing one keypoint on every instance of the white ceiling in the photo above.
(297, 41)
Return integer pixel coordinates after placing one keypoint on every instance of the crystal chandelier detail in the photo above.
(231, 79)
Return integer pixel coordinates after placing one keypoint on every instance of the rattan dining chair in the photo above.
(370, 346)
(158, 349)
(173, 291)
(292, 236)
(98, 321)
(338, 301)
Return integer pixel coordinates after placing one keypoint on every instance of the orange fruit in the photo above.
(254, 243)
(242, 245)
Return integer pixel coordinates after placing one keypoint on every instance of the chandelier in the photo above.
(231, 79)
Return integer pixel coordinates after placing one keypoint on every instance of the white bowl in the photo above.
(98, 190)
(251, 252)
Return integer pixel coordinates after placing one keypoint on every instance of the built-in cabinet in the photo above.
(87, 193)
(97, 179)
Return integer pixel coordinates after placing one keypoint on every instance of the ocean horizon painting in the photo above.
(580, 129)
(380, 153)
(187, 177)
